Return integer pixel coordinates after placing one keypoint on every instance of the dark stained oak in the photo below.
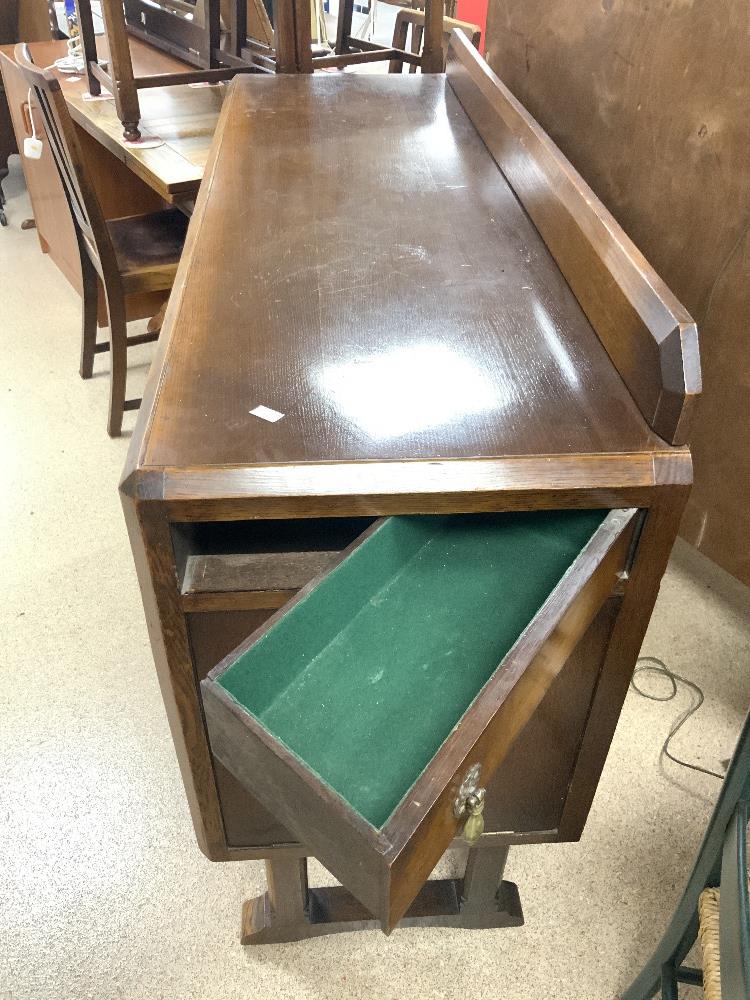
(428, 319)
(394, 294)
(292, 911)
(648, 334)
(386, 868)
(221, 582)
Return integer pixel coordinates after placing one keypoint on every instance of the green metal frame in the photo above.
(721, 862)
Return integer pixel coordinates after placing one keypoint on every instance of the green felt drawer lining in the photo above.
(366, 676)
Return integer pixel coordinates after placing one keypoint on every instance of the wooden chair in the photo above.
(130, 255)
(415, 19)
(196, 41)
(430, 56)
(721, 918)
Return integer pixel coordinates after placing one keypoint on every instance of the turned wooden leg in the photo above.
(124, 88)
(118, 350)
(130, 131)
(90, 299)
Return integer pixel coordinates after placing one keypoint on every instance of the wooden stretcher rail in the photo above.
(649, 336)
(327, 62)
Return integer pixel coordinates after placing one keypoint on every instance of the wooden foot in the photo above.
(291, 911)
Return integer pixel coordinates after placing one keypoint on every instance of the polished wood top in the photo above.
(184, 117)
(359, 264)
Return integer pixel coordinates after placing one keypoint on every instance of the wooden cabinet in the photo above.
(451, 340)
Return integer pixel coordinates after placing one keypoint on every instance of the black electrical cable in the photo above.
(653, 665)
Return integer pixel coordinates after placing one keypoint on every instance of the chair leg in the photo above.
(669, 982)
(672, 949)
(90, 301)
(344, 26)
(118, 352)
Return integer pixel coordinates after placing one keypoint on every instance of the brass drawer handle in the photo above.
(474, 825)
(470, 804)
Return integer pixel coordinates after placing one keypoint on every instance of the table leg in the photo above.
(485, 896)
(157, 320)
(88, 43)
(344, 26)
(3, 175)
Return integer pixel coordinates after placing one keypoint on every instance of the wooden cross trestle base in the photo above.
(291, 911)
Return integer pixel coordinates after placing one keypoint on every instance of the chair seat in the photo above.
(709, 904)
(148, 248)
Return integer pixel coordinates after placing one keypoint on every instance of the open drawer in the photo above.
(364, 710)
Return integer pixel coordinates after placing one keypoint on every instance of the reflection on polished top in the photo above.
(359, 264)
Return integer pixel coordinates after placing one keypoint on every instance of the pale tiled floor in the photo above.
(103, 893)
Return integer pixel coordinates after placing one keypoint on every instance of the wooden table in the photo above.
(429, 351)
(184, 117)
(128, 180)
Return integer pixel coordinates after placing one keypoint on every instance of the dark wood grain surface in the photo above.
(649, 336)
(382, 288)
(358, 262)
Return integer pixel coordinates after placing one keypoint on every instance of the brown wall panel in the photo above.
(648, 99)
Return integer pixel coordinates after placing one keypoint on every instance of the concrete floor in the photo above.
(103, 892)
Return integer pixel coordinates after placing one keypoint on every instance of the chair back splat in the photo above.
(131, 255)
(86, 211)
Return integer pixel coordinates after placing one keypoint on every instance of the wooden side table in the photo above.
(406, 304)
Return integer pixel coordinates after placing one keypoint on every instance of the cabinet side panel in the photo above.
(154, 558)
(213, 635)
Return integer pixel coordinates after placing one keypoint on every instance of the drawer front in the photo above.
(493, 728)
(385, 863)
